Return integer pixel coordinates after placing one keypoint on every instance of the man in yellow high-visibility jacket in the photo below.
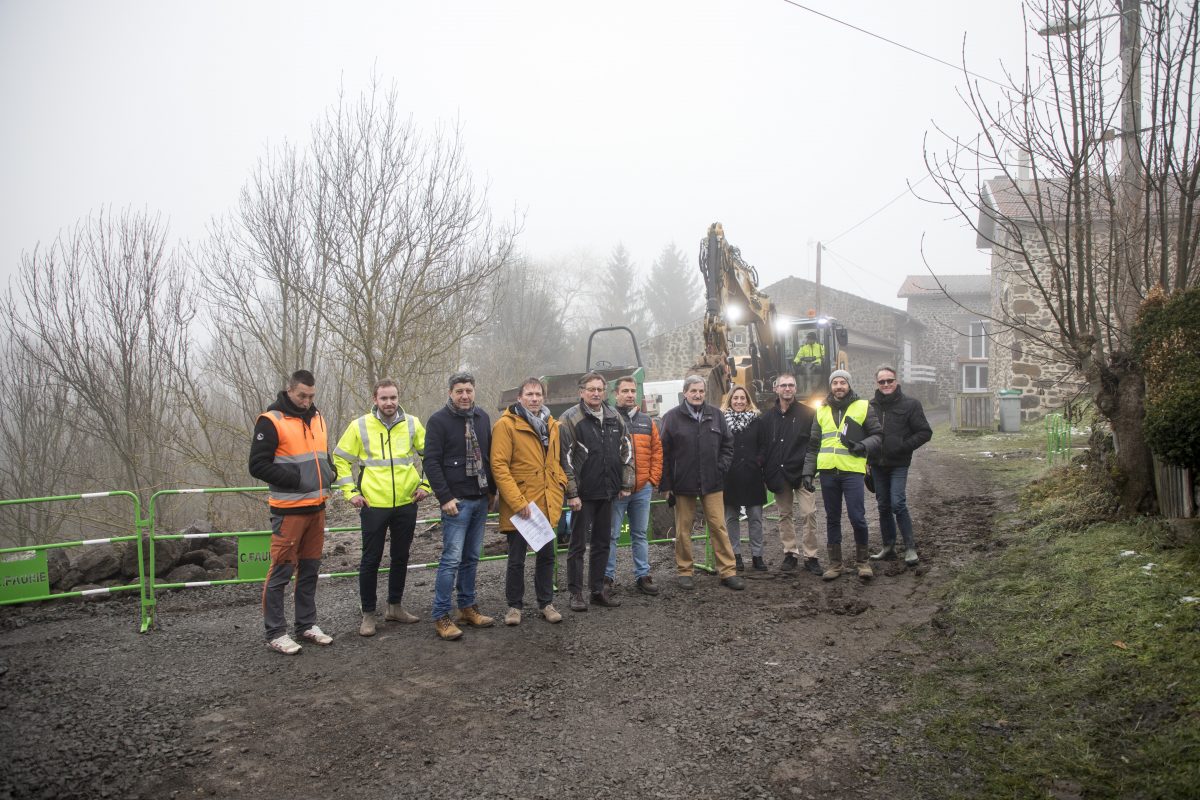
(811, 353)
(844, 431)
(384, 444)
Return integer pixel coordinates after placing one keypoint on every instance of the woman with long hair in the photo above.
(744, 480)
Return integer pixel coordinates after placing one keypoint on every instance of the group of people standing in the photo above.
(604, 462)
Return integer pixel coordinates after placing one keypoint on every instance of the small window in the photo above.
(975, 378)
(979, 340)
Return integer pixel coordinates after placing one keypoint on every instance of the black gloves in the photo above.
(806, 483)
(858, 449)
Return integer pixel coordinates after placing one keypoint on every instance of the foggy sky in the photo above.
(632, 122)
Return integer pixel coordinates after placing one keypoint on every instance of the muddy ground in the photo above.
(774, 692)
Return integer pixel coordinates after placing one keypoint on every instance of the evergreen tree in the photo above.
(674, 296)
(618, 302)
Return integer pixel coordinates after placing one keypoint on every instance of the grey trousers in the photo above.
(296, 544)
(753, 523)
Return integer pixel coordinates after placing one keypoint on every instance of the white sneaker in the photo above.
(284, 644)
(317, 636)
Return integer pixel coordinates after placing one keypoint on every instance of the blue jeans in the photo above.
(638, 507)
(835, 486)
(890, 483)
(462, 539)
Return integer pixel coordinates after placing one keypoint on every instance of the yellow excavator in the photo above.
(810, 347)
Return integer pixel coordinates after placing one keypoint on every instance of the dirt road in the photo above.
(774, 692)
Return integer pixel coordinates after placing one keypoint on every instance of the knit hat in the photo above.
(839, 373)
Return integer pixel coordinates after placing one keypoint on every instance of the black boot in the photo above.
(759, 564)
(741, 565)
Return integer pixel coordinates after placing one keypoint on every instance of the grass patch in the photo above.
(1072, 666)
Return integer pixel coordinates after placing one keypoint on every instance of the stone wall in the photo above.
(1021, 359)
(942, 343)
(668, 356)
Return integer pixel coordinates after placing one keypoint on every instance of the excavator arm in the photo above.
(732, 297)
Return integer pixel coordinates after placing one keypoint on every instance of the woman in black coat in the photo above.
(744, 480)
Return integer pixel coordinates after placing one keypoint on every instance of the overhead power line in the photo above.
(956, 67)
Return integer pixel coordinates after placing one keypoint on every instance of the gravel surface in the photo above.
(772, 692)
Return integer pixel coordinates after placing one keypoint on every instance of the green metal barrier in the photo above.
(1058, 438)
(26, 580)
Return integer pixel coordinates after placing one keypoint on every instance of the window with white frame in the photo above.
(977, 335)
(975, 378)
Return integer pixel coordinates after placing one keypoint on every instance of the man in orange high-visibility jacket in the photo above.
(290, 453)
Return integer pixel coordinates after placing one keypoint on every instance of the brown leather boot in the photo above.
(447, 629)
(471, 616)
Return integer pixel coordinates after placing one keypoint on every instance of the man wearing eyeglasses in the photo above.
(786, 427)
(904, 430)
(597, 459)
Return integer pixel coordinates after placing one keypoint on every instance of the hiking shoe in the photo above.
(577, 602)
(285, 644)
(317, 636)
(608, 582)
(397, 614)
(367, 628)
(758, 563)
(888, 553)
(734, 582)
(686, 582)
(864, 570)
(447, 629)
(790, 562)
(471, 616)
(645, 585)
(550, 614)
(512, 616)
(910, 557)
(813, 565)
(603, 598)
(738, 563)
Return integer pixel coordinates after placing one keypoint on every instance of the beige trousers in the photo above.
(785, 501)
(714, 513)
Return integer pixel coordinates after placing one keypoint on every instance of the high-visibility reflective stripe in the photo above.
(297, 495)
(337, 451)
(829, 435)
(300, 459)
(362, 434)
(278, 415)
(387, 462)
(343, 481)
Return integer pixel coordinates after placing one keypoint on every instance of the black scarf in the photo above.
(539, 423)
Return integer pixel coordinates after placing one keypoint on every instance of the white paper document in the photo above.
(536, 529)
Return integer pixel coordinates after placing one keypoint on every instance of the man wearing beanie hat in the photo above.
(844, 432)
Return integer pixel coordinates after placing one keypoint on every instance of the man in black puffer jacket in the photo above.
(904, 430)
(697, 448)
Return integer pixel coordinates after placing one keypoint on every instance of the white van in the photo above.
(659, 397)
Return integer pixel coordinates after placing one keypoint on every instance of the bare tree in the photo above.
(104, 315)
(1081, 230)
(404, 237)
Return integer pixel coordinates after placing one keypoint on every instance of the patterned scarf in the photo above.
(474, 458)
(538, 423)
(738, 420)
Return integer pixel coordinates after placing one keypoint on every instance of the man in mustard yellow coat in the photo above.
(527, 471)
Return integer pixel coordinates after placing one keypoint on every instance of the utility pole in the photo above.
(818, 299)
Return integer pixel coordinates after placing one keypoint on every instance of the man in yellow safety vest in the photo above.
(811, 353)
(844, 431)
(384, 445)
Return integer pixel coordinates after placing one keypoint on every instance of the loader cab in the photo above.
(811, 348)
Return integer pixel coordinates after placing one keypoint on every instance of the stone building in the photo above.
(956, 341)
(1024, 355)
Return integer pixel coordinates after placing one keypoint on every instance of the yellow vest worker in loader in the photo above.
(384, 444)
